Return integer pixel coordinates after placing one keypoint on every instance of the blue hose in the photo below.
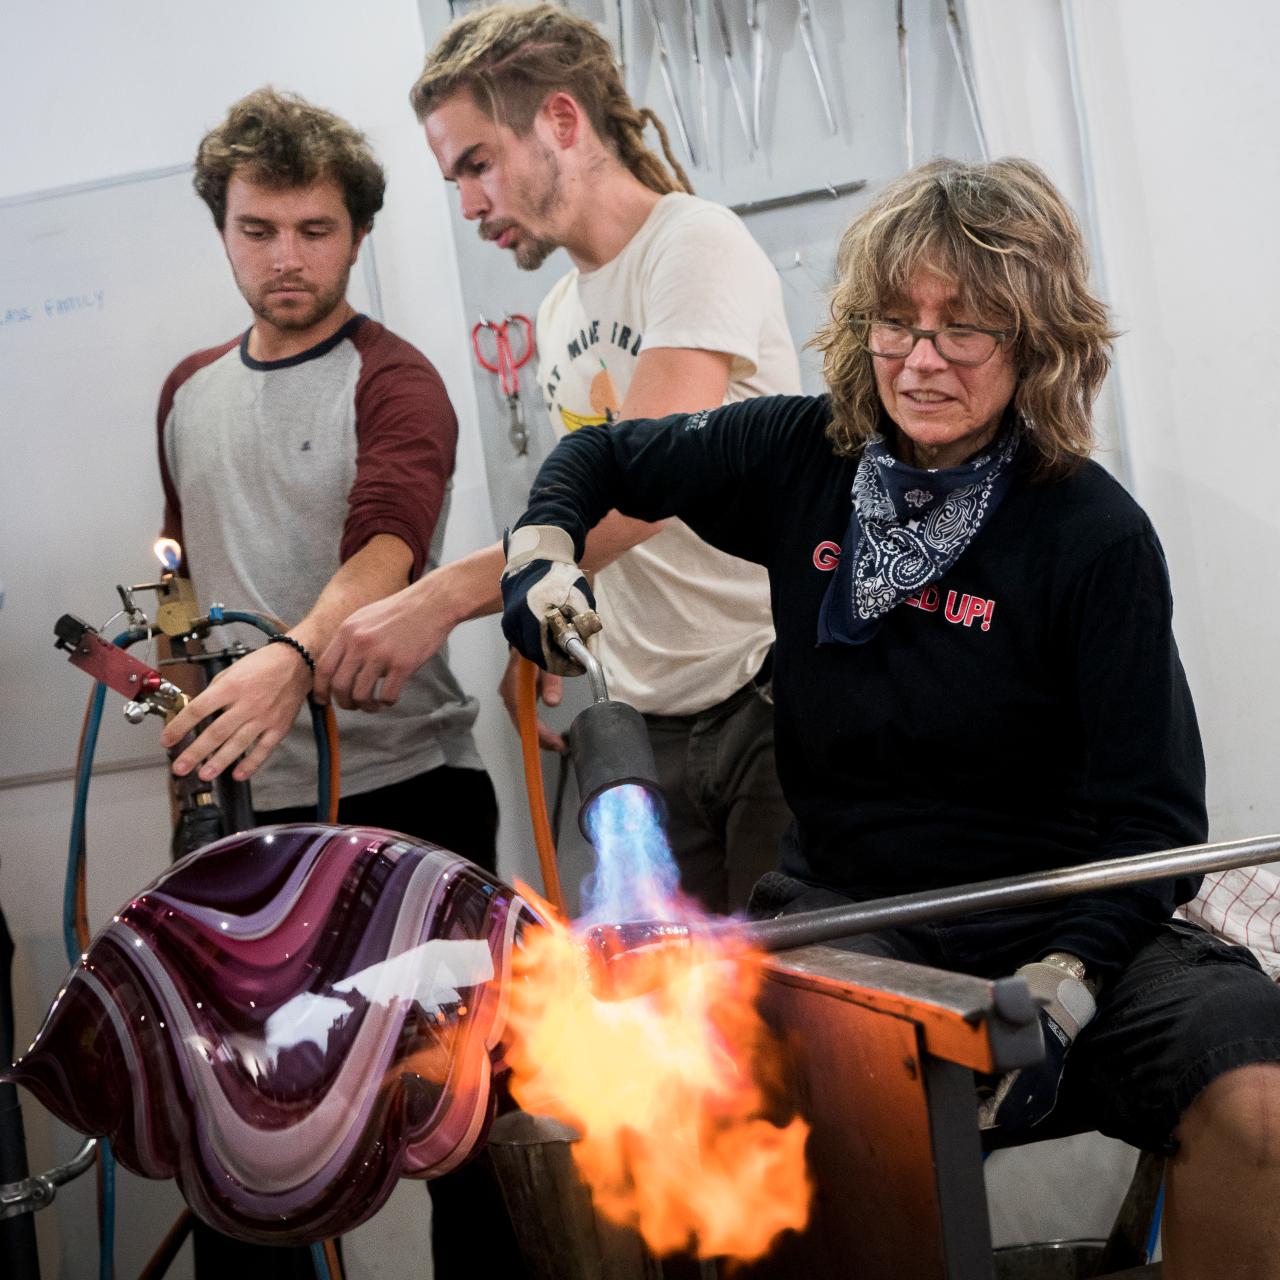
(239, 615)
(107, 1226)
(320, 1262)
(322, 760)
(75, 853)
(1157, 1213)
(75, 857)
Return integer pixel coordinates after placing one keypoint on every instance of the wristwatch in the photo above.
(1074, 966)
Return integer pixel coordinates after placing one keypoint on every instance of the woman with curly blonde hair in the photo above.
(1005, 235)
(975, 672)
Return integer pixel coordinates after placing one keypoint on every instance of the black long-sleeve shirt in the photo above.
(1027, 711)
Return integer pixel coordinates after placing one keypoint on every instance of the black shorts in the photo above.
(1186, 1009)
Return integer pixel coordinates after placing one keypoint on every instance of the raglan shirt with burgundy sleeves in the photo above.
(1027, 711)
(275, 473)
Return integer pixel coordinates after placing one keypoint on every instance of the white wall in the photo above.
(1178, 106)
(1165, 145)
(1182, 112)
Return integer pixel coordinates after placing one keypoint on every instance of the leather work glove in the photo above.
(541, 577)
(1024, 1097)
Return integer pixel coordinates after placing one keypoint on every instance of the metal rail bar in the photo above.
(619, 955)
(808, 927)
(800, 197)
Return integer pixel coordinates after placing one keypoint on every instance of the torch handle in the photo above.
(808, 927)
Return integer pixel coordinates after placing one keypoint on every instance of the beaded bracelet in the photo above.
(297, 646)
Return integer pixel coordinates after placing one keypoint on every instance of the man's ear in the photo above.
(563, 117)
(356, 242)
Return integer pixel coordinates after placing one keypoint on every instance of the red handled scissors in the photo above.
(496, 352)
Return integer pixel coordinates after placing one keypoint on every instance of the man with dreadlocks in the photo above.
(670, 307)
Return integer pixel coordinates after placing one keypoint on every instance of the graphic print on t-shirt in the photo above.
(586, 368)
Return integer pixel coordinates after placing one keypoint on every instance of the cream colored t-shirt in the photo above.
(685, 624)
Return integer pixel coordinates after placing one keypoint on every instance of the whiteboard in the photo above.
(103, 289)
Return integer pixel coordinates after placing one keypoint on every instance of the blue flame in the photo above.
(635, 876)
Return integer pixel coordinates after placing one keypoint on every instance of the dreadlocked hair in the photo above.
(511, 59)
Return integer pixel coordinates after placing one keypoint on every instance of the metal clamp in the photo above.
(38, 1191)
(571, 632)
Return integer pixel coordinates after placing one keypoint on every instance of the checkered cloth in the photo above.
(1243, 906)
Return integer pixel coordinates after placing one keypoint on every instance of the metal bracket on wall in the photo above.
(828, 192)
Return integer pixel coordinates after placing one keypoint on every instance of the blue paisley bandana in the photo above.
(908, 526)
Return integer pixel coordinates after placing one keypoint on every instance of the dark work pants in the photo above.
(725, 811)
(456, 809)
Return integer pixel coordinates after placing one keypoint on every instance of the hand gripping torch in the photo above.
(608, 741)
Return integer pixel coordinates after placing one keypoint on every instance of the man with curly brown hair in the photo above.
(305, 466)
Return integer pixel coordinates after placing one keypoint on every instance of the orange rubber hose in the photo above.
(331, 1257)
(527, 721)
(335, 761)
(168, 1248)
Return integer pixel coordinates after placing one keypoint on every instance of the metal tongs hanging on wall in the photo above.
(664, 65)
(757, 68)
(805, 23)
(726, 52)
(804, 20)
(695, 50)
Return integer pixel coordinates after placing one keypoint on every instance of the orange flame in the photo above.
(666, 1091)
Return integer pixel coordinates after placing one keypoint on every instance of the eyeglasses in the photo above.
(961, 344)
